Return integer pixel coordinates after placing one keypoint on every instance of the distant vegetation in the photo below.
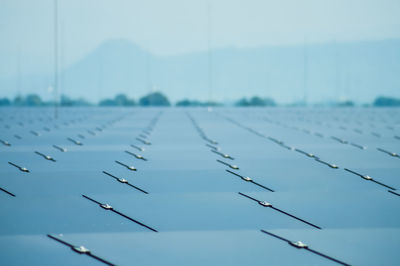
(255, 101)
(194, 103)
(35, 100)
(386, 101)
(159, 99)
(66, 101)
(28, 100)
(5, 102)
(345, 104)
(154, 99)
(119, 100)
(151, 99)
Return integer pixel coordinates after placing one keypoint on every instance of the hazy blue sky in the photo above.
(179, 26)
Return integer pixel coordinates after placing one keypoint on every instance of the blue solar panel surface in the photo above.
(228, 186)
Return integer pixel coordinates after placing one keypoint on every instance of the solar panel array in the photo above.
(229, 186)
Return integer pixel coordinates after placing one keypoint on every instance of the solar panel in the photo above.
(228, 186)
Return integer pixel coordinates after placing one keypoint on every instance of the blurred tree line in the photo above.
(386, 101)
(255, 101)
(159, 99)
(152, 99)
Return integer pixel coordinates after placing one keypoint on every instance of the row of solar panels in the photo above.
(221, 187)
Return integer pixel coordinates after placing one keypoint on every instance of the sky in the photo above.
(182, 26)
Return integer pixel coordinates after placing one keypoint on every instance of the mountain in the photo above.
(359, 71)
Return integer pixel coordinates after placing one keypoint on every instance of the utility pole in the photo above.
(56, 59)
(147, 62)
(62, 84)
(305, 68)
(210, 58)
(337, 90)
(100, 80)
(19, 77)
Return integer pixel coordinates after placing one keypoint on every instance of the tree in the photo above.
(386, 101)
(255, 101)
(123, 100)
(242, 102)
(5, 102)
(194, 103)
(154, 99)
(66, 101)
(347, 103)
(107, 102)
(187, 103)
(18, 101)
(33, 100)
(119, 100)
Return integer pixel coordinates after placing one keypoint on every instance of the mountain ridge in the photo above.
(358, 71)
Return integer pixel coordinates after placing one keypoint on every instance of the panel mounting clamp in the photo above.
(80, 250)
(269, 205)
(129, 167)
(248, 179)
(110, 208)
(229, 165)
(301, 245)
(23, 169)
(124, 181)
